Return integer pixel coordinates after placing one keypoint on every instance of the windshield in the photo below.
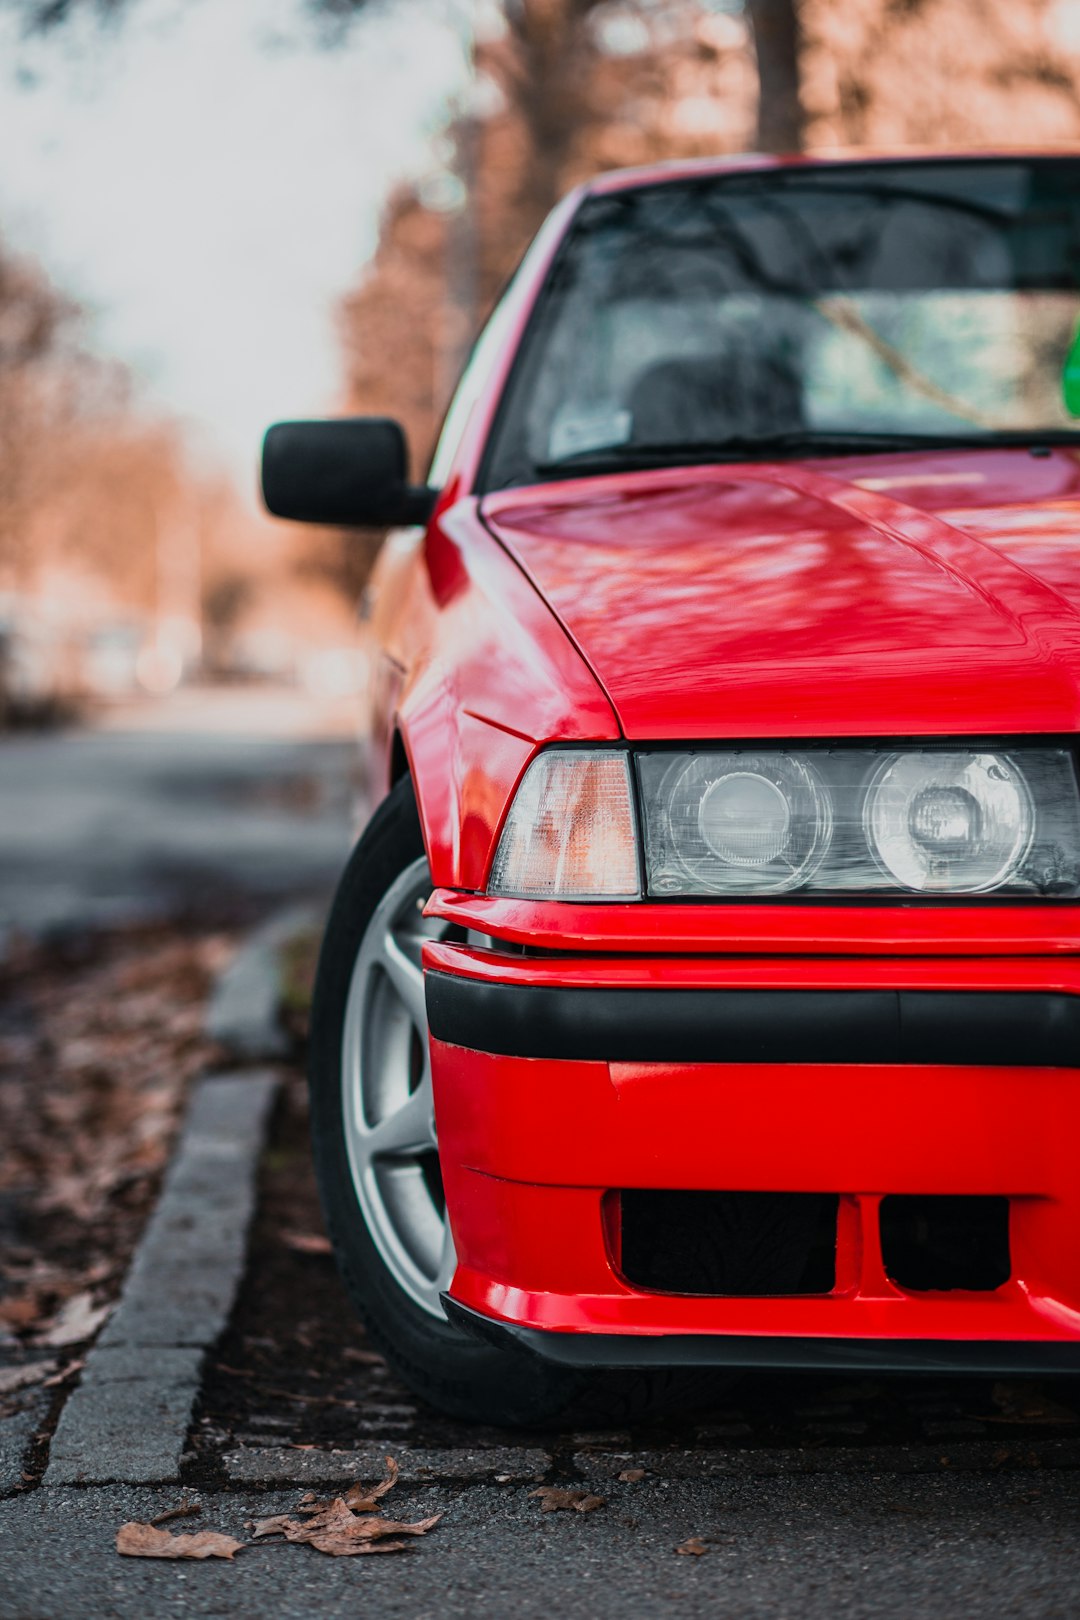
(799, 310)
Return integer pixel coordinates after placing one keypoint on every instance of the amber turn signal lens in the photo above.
(570, 833)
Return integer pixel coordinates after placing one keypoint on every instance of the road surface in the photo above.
(208, 801)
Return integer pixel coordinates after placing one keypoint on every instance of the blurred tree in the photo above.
(102, 516)
(962, 73)
(777, 43)
(37, 383)
(226, 596)
(547, 76)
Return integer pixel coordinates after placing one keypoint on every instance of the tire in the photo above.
(440, 1362)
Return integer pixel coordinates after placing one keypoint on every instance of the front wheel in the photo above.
(373, 1132)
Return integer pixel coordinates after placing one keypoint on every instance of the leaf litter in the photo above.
(77, 1320)
(16, 1378)
(134, 1540)
(307, 1242)
(562, 1499)
(344, 1526)
(99, 1037)
(185, 1510)
(348, 1525)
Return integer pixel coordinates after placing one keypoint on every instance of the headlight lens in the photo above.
(950, 823)
(569, 834)
(747, 823)
(849, 821)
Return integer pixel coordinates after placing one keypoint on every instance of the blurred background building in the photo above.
(133, 557)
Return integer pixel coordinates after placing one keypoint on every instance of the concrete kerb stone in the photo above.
(697, 1463)
(184, 1277)
(244, 1009)
(280, 1465)
(127, 1420)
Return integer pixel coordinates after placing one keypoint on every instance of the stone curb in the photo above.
(276, 1466)
(243, 1013)
(282, 1465)
(709, 1463)
(127, 1420)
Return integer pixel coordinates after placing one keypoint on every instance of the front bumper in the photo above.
(562, 1080)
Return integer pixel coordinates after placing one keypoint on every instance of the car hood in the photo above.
(891, 595)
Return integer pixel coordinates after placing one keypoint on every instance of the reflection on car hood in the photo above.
(920, 595)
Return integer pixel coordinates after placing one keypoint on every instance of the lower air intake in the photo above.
(936, 1241)
(729, 1243)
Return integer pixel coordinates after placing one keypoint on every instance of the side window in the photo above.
(468, 390)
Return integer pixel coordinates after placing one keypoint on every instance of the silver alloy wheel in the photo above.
(387, 1105)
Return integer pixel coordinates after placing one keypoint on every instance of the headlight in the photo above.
(849, 821)
(569, 834)
(953, 823)
(748, 823)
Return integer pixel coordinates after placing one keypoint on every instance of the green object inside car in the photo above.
(1070, 376)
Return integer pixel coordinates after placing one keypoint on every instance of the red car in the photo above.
(705, 991)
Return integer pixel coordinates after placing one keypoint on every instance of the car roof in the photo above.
(677, 169)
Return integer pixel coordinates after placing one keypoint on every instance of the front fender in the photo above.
(498, 678)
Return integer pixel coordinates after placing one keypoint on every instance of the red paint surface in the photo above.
(790, 600)
(978, 928)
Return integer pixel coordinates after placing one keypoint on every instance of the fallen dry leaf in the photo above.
(136, 1540)
(358, 1498)
(557, 1499)
(336, 1526)
(21, 1312)
(630, 1476)
(693, 1547)
(68, 1370)
(13, 1378)
(307, 1242)
(333, 1528)
(362, 1498)
(78, 1319)
(186, 1510)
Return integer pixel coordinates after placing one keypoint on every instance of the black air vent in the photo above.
(730, 1243)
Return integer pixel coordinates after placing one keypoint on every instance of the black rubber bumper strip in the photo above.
(597, 1352)
(756, 1026)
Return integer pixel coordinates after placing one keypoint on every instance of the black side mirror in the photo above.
(350, 472)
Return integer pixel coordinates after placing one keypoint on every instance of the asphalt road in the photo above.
(847, 1548)
(213, 799)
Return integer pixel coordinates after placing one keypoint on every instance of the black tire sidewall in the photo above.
(438, 1360)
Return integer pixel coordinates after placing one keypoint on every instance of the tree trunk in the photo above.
(777, 39)
(548, 86)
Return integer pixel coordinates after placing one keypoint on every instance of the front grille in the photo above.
(937, 1241)
(728, 1243)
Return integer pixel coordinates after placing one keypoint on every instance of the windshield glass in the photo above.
(933, 301)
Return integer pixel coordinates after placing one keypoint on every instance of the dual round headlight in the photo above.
(767, 823)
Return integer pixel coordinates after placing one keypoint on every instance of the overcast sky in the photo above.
(207, 179)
